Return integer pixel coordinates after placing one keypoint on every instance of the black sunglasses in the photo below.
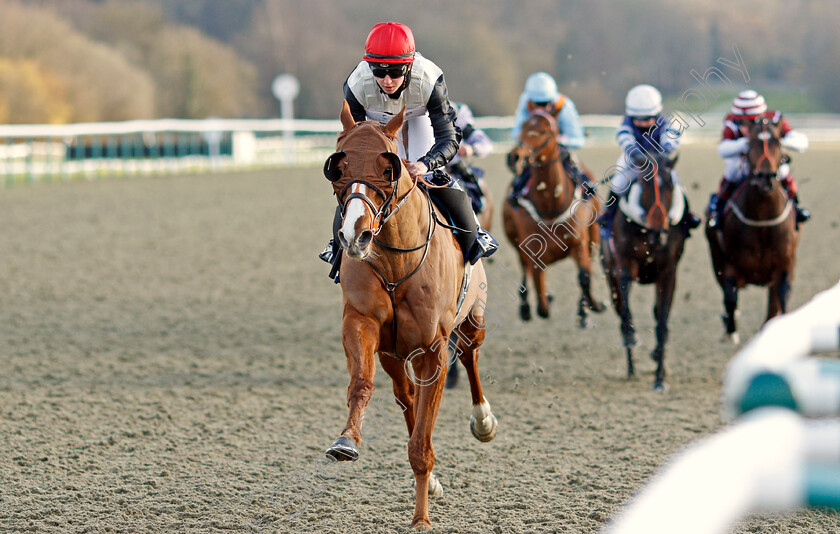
(644, 119)
(542, 104)
(381, 70)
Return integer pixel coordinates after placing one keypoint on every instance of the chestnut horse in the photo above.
(401, 278)
(756, 236)
(551, 216)
(646, 245)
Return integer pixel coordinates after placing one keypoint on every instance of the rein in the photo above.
(657, 198)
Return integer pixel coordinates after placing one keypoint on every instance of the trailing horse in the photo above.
(408, 296)
(755, 239)
(646, 245)
(552, 220)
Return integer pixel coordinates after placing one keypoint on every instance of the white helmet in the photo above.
(643, 101)
(541, 87)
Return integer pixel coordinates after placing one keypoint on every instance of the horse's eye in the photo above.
(388, 172)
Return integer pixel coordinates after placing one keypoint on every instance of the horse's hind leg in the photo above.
(360, 336)
(470, 335)
(730, 305)
(403, 388)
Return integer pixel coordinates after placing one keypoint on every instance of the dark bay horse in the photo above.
(552, 220)
(756, 236)
(401, 277)
(646, 246)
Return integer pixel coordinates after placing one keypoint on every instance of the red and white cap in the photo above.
(390, 42)
(749, 104)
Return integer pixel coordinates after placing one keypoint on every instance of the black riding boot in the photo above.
(717, 202)
(472, 238)
(518, 184)
(802, 215)
(577, 175)
(689, 221)
(332, 253)
(606, 218)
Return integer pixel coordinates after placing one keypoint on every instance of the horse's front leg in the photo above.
(429, 382)
(730, 305)
(778, 294)
(583, 259)
(524, 307)
(360, 336)
(470, 335)
(543, 300)
(628, 331)
(661, 311)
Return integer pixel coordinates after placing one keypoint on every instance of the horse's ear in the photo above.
(395, 124)
(394, 170)
(672, 162)
(331, 169)
(346, 117)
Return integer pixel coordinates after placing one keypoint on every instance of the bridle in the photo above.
(380, 217)
(534, 153)
(756, 175)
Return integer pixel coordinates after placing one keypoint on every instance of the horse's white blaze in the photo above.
(356, 209)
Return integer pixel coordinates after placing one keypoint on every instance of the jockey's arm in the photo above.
(795, 141)
(356, 109)
(730, 148)
(447, 135)
(570, 127)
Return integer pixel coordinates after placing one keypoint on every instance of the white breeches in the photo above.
(418, 135)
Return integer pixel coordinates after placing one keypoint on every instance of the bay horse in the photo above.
(755, 239)
(553, 216)
(646, 245)
(401, 280)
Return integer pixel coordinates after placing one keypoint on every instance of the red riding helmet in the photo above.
(390, 42)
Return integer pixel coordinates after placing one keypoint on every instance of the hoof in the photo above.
(734, 338)
(343, 450)
(660, 386)
(525, 312)
(421, 524)
(583, 323)
(598, 307)
(544, 313)
(488, 430)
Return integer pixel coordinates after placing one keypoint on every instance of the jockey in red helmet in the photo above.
(393, 75)
(734, 143)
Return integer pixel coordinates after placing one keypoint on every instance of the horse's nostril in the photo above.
(342, 240)
(365, 238)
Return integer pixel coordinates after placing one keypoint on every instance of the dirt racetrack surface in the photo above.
(170, 361)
